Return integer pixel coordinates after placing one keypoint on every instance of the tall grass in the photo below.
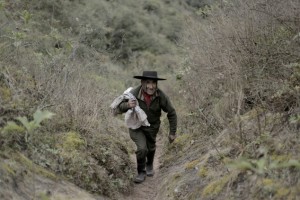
(50, 69)
(240, 92)
(239, 57)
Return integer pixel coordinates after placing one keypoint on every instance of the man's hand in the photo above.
(172, 138)
(131, 103)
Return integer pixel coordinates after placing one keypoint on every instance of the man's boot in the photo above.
(149, 164)
(141, 171)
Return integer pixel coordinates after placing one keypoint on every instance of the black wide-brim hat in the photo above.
(149, 75)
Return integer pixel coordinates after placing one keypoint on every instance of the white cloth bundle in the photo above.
(134, 117)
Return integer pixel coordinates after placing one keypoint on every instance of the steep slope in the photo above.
(236, 93)
(67, 57)
(21, 179)
(239, 128)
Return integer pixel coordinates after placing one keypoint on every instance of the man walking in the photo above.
(152, 101)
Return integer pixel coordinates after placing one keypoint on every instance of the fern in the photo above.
(38, 117)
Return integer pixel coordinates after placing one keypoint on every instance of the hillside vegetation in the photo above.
(62, 64)
(233, 70)
(239, 130)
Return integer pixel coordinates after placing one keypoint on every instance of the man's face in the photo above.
(149, 86)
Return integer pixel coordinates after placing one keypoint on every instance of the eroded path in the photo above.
(148, 189)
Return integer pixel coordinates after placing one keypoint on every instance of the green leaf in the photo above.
(291, 163)
(274, 165)
(11, 123)
(26, 16)
(261, 165)
(241, 164)
(39, 116)
(24, 122)
(12, 127)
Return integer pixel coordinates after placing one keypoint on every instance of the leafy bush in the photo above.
(130, 35)
(153, 7)
(98, 38)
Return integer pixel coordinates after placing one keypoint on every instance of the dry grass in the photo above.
(240, 79)
(238, 57)
(238, 83)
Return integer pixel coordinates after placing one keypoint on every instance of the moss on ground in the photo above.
(72, 141)
(215, 187)
(202, 172)
(192, 164)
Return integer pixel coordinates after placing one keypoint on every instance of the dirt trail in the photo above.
(148, 189)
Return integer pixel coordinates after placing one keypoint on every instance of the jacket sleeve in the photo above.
(167, 107)
(122, 107)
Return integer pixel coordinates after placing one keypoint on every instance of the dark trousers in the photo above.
(145, 140)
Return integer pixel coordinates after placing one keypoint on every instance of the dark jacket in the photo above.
(160, 101)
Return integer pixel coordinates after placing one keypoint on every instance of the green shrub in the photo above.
(13, 135)
(171, 27)
(98, 38)
(152, 7)
(72, 142)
